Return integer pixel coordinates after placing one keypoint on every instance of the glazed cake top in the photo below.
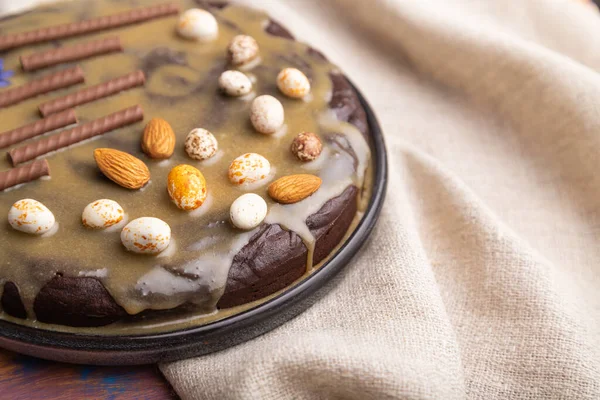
(181, 86)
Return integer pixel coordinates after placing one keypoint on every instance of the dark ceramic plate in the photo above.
(219, 335)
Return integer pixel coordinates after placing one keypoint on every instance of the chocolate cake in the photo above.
(186, 159)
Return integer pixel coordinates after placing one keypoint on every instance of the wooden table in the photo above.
(29, 378)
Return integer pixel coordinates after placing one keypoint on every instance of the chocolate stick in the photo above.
(45, 84)
(41, 35)
(92, 93)
(24, 174)
(67, 54)
(79, 133)
(36, 128)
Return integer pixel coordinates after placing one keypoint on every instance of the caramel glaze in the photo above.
(88, 273)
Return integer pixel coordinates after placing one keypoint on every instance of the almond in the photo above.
(158, 140)
(122, 168)
(294, 188)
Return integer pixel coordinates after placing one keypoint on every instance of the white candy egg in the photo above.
(146, 235)
(248, 211)
(249, 168)
(198, 24)
(293, 83)
(235, 83)
(200, 144)
(31, 216)
(266, 114)
(102, 214)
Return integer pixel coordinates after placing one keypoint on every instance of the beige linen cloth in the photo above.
(482, 277)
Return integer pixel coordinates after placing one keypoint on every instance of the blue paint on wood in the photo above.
(109, 380)
(85, 372)
(114, 386)
(31, 365)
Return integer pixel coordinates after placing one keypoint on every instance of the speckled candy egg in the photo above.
(198, 25)
(31, 216)
(235, 83)
(102, 214)
(242, 49)
(266, 114)
(249, 168)
(293, 83)
(187, 187)
(146, 235)
(200, 144)
(248, 211)
(306, 146)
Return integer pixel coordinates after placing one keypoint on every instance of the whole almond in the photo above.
(122, 168)
(158, 140)
(294, 188)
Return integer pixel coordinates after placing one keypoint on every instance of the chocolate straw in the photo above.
(36, 128)
(24, 174)
(79, 133)
(67, 54)
(45, 84)
(92, 93)
(41, 35)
